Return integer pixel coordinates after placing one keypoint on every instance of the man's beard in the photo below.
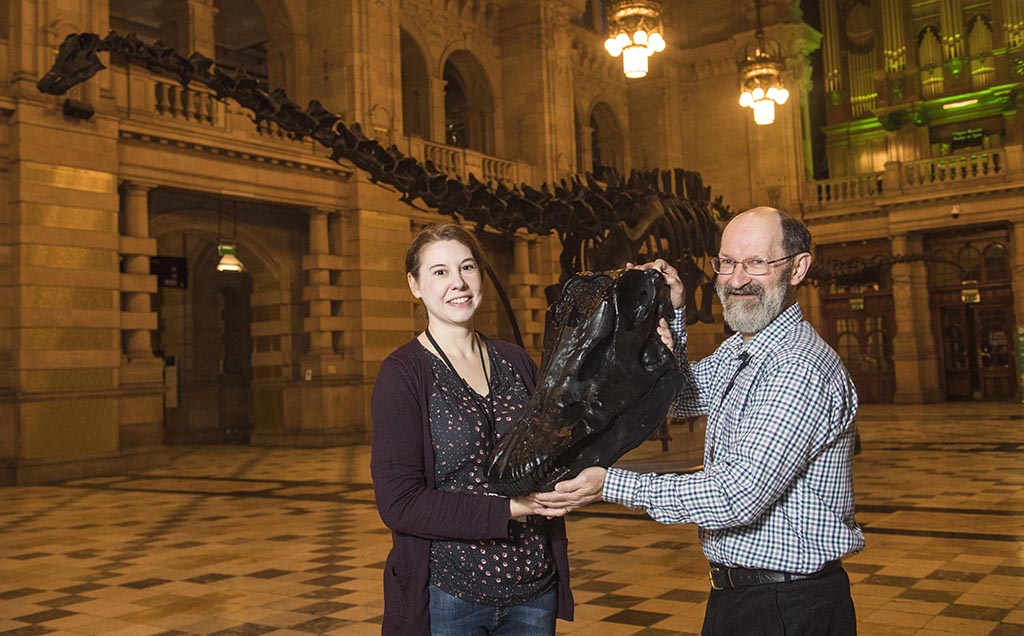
(751, 316)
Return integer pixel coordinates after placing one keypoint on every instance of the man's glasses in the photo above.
(753, 266)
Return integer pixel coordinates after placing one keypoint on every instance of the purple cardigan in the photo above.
(402, 465)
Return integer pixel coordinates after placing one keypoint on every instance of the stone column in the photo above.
(319, 306)
(188, 26)
(915, 361)
(1017, 266)
(137, 284)
(1018, 271)
(323, 406)
(527, 286)
(142, 383)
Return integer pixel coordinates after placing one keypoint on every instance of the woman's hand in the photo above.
(519, 508)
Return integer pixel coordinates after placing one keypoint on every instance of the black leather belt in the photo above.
(723, 577)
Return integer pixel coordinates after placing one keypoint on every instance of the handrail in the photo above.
(918, 176)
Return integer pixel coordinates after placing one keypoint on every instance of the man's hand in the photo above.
(585, 488)
(666, 335)
(675, 284)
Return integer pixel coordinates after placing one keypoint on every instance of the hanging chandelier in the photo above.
(228, 250)
(634, 32)
(761, 75)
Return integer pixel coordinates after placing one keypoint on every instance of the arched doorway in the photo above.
(970, 285)
(607, 145)
(468, 104)
(205, 337)
(415, 88)
(858, 313)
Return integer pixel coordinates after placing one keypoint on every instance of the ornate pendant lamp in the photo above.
(760, 75)
(228, 251)
(634, 32)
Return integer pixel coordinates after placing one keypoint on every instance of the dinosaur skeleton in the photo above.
(606, 379)
(601, 225)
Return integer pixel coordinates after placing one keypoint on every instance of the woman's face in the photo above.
(448, 282)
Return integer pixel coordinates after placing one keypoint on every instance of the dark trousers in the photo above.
(813, 607)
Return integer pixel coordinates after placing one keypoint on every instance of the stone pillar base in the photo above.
(42, 471)
(141, 406)
(311, 413)
(142, 371)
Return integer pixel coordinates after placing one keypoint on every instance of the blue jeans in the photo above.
(451, 616)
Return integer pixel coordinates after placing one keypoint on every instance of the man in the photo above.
(774, 500)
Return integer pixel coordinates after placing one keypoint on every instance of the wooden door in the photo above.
(861, 332)
(971, 295)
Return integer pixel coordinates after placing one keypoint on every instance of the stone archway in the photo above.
(415, 88)
(607, 144)
(468, 103)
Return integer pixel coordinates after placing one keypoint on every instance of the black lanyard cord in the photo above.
(744, 359)
(488, 412)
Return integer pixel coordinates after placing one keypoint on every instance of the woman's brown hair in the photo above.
(435, 233)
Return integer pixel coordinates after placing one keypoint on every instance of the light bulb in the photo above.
(612, 46)
(656, 42)
(764, 112)
(623, 40)
(640, 37)
(746, 99)
(782, 97)
(634, 62)
(758, 94)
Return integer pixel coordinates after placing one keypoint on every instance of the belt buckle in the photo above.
(711, 575)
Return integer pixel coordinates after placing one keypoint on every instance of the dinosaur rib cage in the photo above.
(581, 210)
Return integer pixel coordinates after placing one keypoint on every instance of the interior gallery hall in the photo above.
(205, 207)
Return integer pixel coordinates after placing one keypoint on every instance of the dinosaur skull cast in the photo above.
(606, 382)
(76, 62)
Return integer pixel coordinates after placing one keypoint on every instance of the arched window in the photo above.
(849, 350)
(878, 354)
(969, 258)
(241, 36)
(607, 147)
(456, 115)
(415, 88)
(943, 270)
(468, 104)
(997, 263)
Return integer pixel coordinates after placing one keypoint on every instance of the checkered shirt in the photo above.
(776, 489)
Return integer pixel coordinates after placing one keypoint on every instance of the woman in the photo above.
(464, 561)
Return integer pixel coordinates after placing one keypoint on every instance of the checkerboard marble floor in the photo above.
(234, 540)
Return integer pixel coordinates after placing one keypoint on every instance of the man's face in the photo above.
(752, 306)
(752, 302)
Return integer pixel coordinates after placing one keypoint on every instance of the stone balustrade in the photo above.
(147, 97)
(846, 189)
(461, 162)
(192, 103)
(910, 178)
(952, 168)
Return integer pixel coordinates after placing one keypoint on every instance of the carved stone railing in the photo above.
(921, 177)
(847, 189)
(952, 168)
(461, 162)
(148, 97)
(195, 104)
